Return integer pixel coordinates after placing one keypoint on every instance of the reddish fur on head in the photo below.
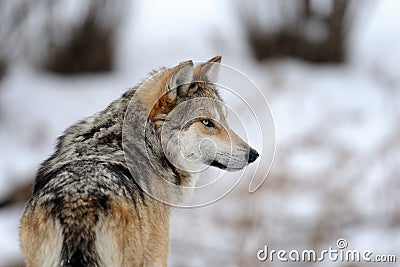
(159, 95)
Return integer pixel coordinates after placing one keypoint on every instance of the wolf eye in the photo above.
(207, 123)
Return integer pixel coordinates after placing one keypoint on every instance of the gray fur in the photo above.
(122, 153)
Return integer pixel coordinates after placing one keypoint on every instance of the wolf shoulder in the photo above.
(89, 178)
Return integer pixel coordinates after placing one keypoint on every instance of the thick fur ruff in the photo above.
(88, 208)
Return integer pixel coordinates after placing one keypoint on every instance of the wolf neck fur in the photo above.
(99, 139)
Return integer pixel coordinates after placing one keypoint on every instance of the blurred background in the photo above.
(330, 70)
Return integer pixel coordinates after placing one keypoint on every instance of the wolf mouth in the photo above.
(221, 166)
(217, 164)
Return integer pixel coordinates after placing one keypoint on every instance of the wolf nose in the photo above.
(253, 155)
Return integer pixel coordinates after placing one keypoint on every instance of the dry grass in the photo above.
(267, 219)
(37, 32)
(292, 39)
(91, 45)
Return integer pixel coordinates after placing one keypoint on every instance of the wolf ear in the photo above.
(180, 80)
(211, 69)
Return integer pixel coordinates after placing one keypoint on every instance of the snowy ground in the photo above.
(336, 172)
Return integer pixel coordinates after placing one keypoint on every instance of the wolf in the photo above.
(93, 200)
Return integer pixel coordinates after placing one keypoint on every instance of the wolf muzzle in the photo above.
(253, 155)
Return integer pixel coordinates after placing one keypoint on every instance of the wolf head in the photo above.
(190, 118)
